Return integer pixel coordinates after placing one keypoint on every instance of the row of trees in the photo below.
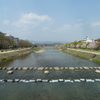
(9, 42)
(81, 44)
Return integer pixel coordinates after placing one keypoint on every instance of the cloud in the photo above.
(78, 26)
(31, 19)
(45, 28)
(67, 27)
(62, 28)
(6, 22)
(95, 24)
(79, 20)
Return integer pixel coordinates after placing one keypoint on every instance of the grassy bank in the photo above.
(4, 56)
(78, 55)
(33, 49)
(38, 48)
(96, 60)
(88, 56)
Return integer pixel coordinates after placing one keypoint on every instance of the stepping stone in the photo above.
(22, 80)
(98, 80)
(30, 68)
(31, 80)
(35, 68)
(4, 68)
(53, 81)
(9, 68)
(9, 80)
(82, 79)
(95, 67)
(19, 68)
(76, 68)
(15, 68)
(71, 68)
(46, 68)
(91, 67)
(80, 67)
(68, 80)
(66, 68)
(17, 80)
(86, 68)
(62, 68)
(10, 72)
(98, 67)
(25, 68)
(77, 80)
(89, 80)
(61, 80)
(2, 81)
(40, 68)
(26, 81)
(56, 68)
(46, 72)
(39, 80)
(97, 71)
(45, 80)
(51, 68)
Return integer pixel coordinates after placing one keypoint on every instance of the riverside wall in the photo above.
(13, 54)
(90, 56)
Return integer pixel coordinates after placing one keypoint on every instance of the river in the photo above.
(49, 91)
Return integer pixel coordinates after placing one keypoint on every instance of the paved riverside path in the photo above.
(92, 52)
(14, 50)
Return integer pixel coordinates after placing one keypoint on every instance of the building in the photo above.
(17, 41)
(8, 35)
(87, 40)
(13, 38)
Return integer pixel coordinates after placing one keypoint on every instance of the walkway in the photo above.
(92, 52)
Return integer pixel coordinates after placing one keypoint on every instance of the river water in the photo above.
(49, 91)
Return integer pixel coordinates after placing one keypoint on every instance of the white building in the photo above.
(87, 40)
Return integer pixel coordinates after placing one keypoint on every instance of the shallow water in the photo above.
(49, 91)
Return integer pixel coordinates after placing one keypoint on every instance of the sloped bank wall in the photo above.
(89, 56)
(11, 55)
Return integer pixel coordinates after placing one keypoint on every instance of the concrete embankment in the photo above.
(83, 54)
(13, 54)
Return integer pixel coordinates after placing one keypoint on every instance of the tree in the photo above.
(75, 43)
(98, 43)
(2, 38)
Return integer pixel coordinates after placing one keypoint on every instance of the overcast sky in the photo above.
(50, 20)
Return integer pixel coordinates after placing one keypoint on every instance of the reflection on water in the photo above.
(10, 61)
(49, 91)
(48, 58)
(89, 74)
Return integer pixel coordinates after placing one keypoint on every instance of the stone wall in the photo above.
(13, 54)
(89, 56)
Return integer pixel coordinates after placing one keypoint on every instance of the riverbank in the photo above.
(93, 56)
(13, 54)
(39, 51)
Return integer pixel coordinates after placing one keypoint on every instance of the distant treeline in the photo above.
(81, 44)
(7, 42)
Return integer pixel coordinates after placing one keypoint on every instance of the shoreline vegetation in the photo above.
(11, 47)
(12, 54)
(89, 55)
(86, 50)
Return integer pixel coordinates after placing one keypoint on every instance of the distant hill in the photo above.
(48, 42)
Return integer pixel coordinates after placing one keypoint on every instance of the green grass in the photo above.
(78, 55)
(96, 60)
(83, 56)
(35, 49)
